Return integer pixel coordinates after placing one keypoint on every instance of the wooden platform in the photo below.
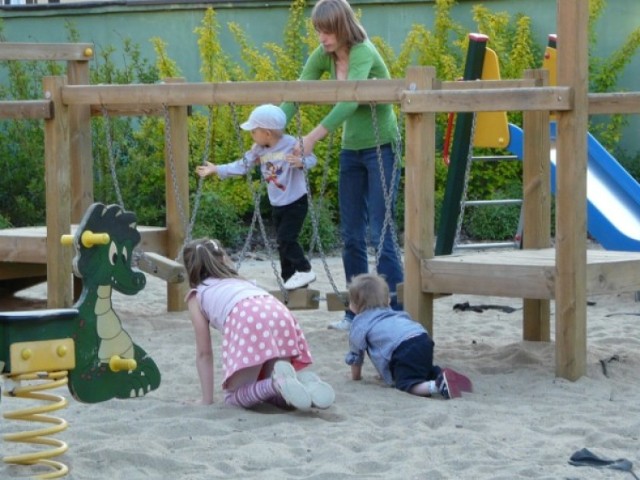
(526, 273)
(23, 254)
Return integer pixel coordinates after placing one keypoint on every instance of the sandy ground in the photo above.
(520, 422)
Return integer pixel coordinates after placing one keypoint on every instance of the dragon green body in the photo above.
(96, 329)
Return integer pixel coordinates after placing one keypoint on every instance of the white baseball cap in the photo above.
(266, 116)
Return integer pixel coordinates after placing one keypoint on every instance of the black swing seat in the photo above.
(38, 315)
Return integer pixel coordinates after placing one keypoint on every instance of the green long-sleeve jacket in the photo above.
(358, 133)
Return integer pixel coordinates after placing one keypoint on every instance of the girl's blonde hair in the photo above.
(204, 258)
(337, 17)
(367, 291)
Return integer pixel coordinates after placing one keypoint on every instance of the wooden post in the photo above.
(177, 193)
(58, 196)
(80, 147)
(571, 192)
(536, 181)
(419, 199)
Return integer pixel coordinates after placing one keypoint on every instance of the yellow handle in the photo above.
(88, 239)
(117, 364)
(66, 240)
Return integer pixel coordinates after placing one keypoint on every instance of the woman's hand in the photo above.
(295, 160)
(309, 141)
(206, 170)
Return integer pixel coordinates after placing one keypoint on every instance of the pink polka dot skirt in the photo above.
(260, 329)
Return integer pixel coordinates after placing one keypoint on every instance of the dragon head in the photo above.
(109, 262)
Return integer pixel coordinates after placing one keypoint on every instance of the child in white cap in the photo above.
(286, 186)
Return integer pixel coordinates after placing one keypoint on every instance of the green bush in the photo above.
(494, 222)
(320, 226)
(136, 152)
(4, 222)
(217, 219)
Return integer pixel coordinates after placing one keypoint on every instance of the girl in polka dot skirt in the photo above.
(264, 350)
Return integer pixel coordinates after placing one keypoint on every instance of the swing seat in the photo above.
(337, 301)
(299, 299)
(162, 267)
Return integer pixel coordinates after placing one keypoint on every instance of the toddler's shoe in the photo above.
(447, 387)
(289, 387)
(463, 382)
(322, 394)
(299, 280)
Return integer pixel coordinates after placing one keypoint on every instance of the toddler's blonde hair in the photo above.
(367, 291)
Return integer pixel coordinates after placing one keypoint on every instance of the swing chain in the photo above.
(240, 143)
(172, 169)
(315, 240)
(111, 155)
(199, 188)
(138, 254)
(388, 223)
(467, 174)
(323, 187)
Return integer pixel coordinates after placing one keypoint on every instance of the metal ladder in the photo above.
(488, 203)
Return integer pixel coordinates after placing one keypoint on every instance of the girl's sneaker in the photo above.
(322, 394)
(289, 387)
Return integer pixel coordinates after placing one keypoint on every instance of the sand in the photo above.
(520, 422)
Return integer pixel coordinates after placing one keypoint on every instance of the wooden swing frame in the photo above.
(420, 96)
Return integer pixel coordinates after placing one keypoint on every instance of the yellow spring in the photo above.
(49, 380)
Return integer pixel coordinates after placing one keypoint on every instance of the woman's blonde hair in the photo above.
(337, 17)
(367, 291)
(204, 258)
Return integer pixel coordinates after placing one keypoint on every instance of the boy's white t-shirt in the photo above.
(285, 183)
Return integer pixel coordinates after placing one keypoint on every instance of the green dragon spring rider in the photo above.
(108, 364)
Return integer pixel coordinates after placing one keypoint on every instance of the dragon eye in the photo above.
(113, 253)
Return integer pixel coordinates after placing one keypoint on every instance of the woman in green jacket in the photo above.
(369, 143)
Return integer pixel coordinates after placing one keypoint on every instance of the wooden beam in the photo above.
(488, 100)
(12, 271)
(46, 51)
(177, 192)
(419, 213)
(527, 273)
(80, 146)
(127, 110)
(29, 244)
(241, 93)
(618, 102)
(484, 84)
(58, 198)
(536, 187)
(571, 191)
(324, 92)
(25, 109)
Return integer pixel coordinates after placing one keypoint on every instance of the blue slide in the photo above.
(613, 196)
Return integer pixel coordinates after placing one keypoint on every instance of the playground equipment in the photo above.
(84, 347)
(565, 273)
(481, 129)
(613, 195)
(26, 256)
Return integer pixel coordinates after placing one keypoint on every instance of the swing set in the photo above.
(537, 273)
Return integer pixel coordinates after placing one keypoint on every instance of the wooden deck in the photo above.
(526, 273)
(23, 254)
(29, 244)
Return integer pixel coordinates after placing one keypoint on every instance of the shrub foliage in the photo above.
(129, 165)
